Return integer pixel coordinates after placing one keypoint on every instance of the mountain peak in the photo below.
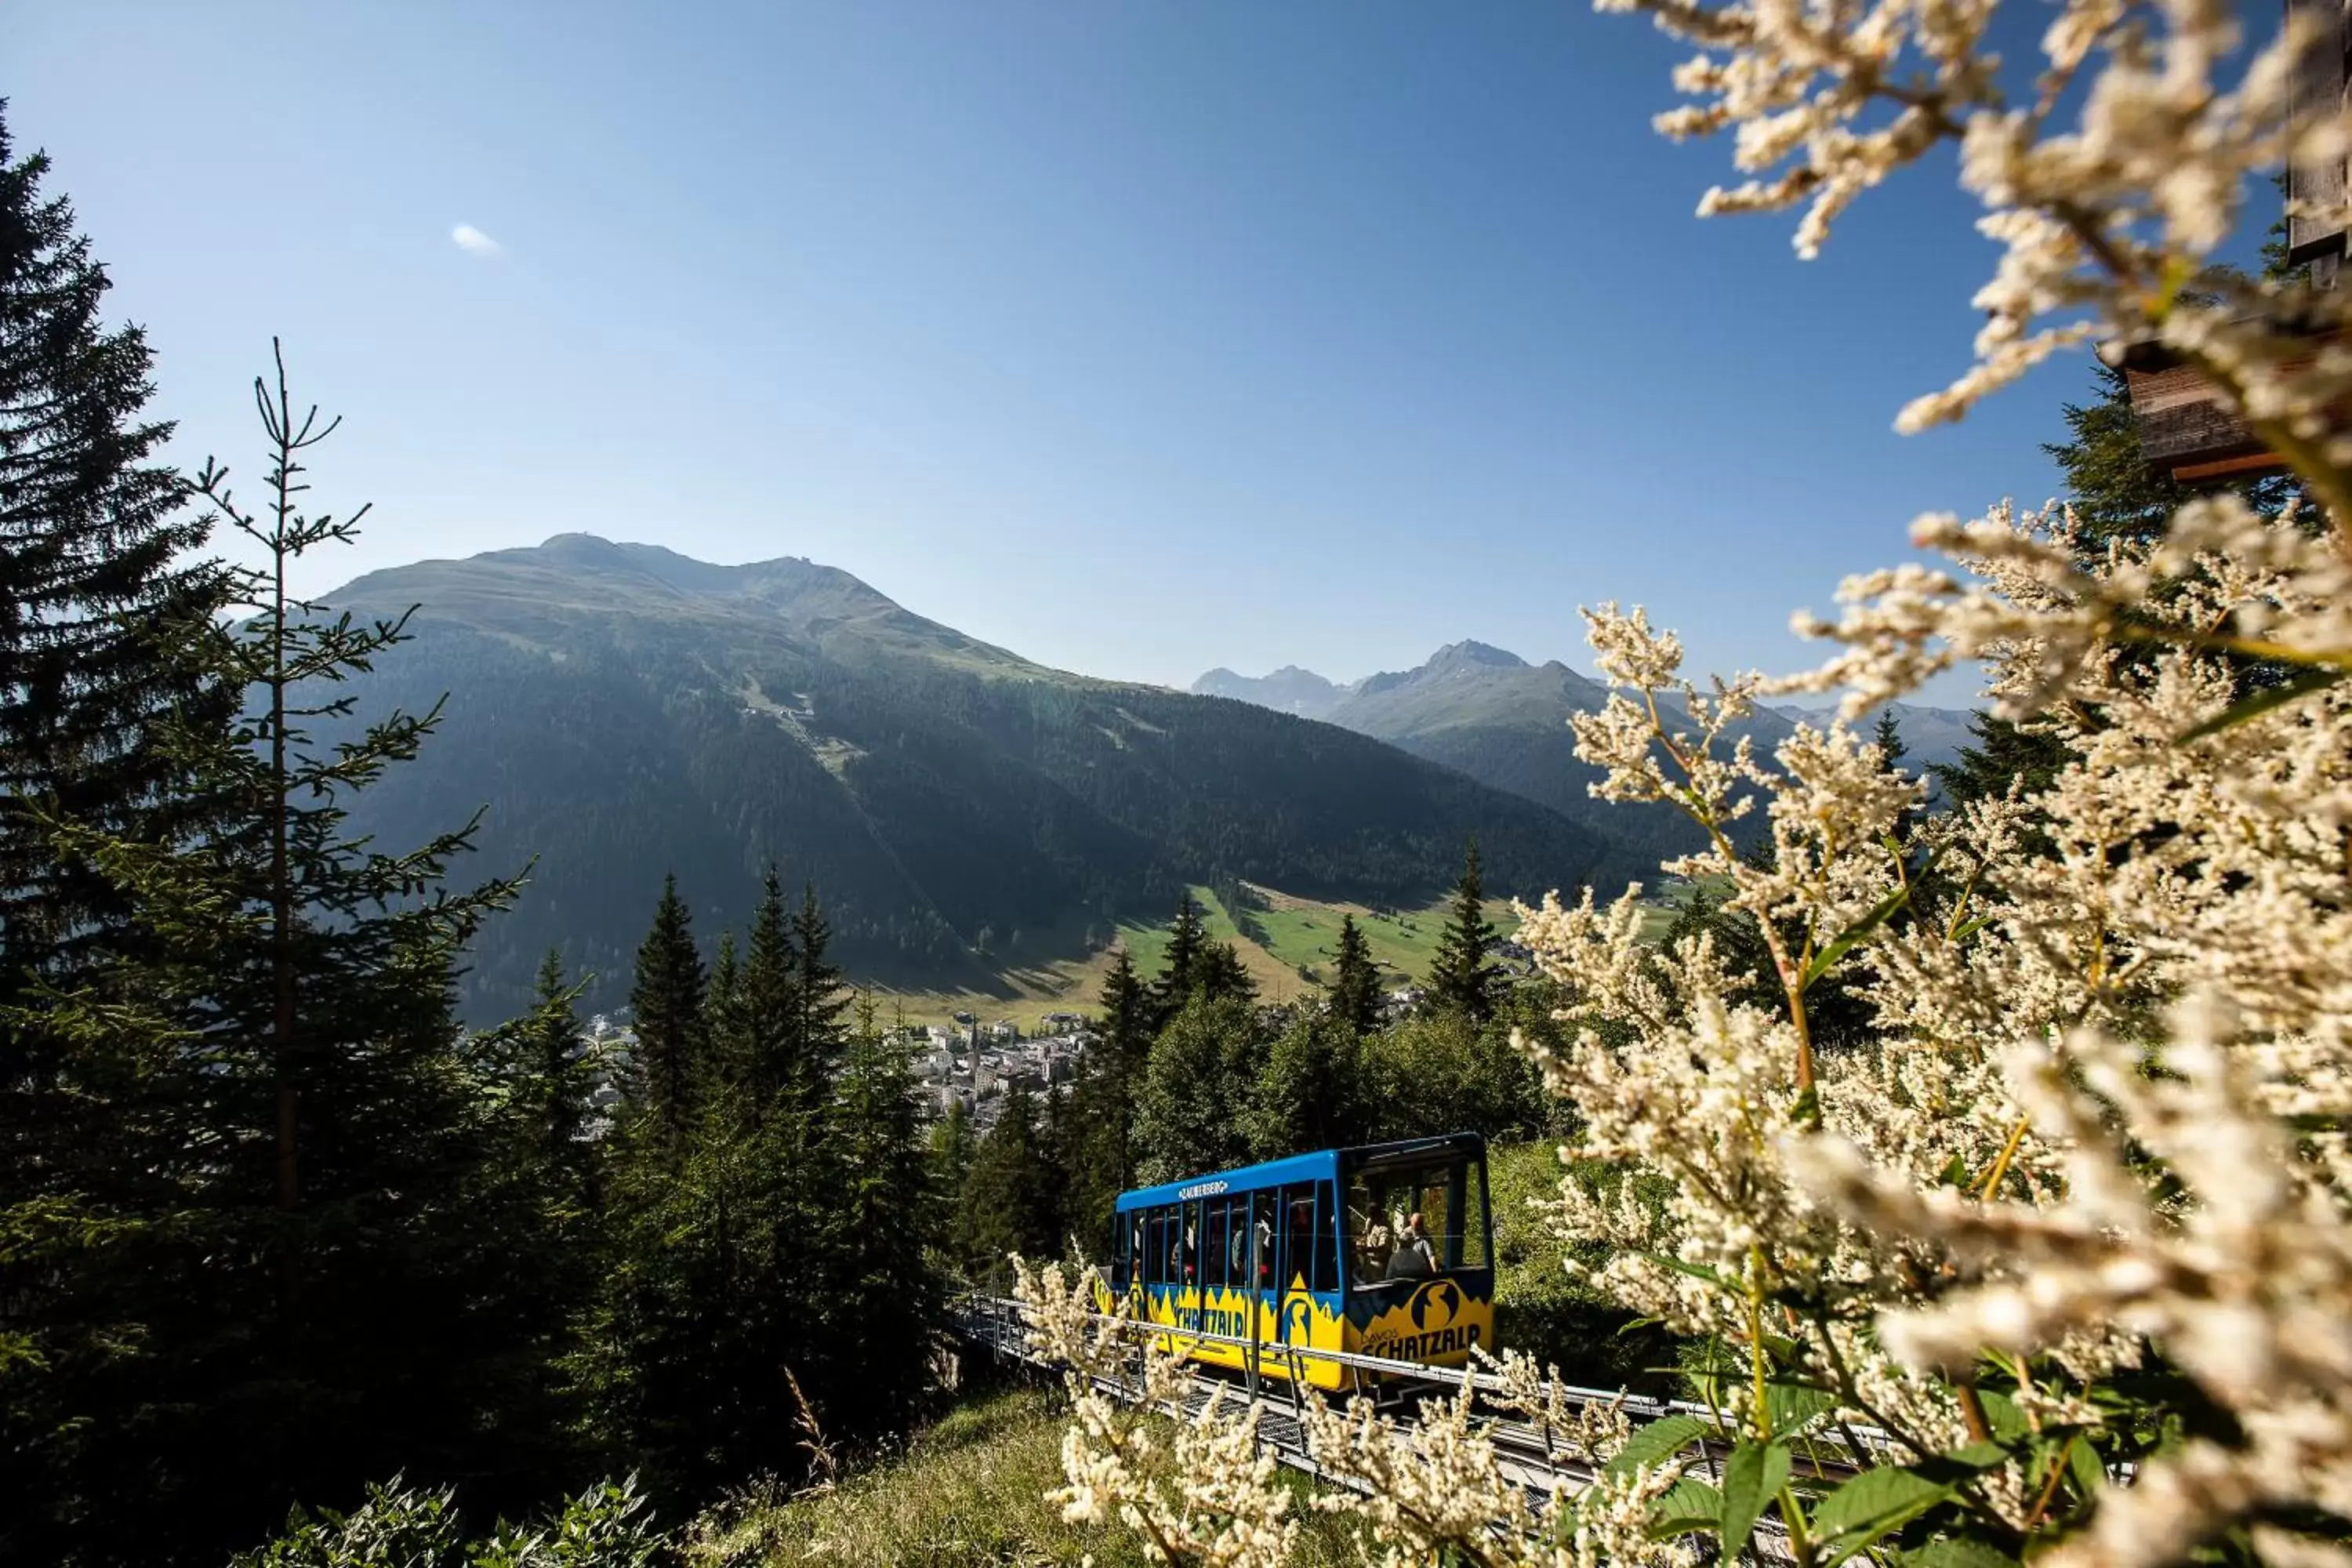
(1458, 655)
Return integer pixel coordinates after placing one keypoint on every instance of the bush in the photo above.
(401, 1526)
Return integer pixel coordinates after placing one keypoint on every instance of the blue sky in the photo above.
(1139, 337)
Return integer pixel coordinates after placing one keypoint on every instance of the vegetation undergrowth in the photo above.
(970, 1489)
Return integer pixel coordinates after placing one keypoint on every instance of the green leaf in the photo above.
(2262, 701)
(1686, 1508)
(1656, 1441)
(1791, 1406)
(1949, 1552)
(1879, 1501)
(1750, 1477)
(2090, 1475)
(2009, 1423)
(1954, 1175)
(1845, 940)
(1696, 1270)
(1971, 928)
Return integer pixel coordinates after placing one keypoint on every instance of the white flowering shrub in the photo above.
(2058, 1264)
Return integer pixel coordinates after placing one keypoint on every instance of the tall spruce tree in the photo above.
(557, 1075)
(1461, 977)
(880, 1292)
(1006, 1205)
(95, 543)
(1354, 997)
(820, 1000)
(304, 1277)
(1099, 1163)
(666, 1007)
(1179, 965)
(772, 1073)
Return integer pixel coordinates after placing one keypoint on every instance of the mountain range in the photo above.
(1486, 712)
(623, 711)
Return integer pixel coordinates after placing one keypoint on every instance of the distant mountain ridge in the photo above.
(1486, 712)
(623, 711)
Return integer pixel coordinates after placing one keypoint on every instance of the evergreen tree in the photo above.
(1354, 997)
(1179, 965)
(1006, 1208)
(772, 1074)
(819, 998)
(1888, 734)
(556, 1074)
(1124, 1012)
(304, 1273)
(1460, 978)
(93, 537)
(951, 1146)
(1099, 1162)
(666, 1005)
(1218, 974)
(880, 1295)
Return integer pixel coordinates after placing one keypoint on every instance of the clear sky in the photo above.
(1139, 337)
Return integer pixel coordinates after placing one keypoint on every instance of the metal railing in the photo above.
(1525, 1448)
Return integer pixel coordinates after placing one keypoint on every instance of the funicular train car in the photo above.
(1385, 1250)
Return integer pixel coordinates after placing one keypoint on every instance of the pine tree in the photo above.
(725, 1048)
(1889, 737)
(1354, 996)
(772, 1075)
(1100, 1161)
(1179, 965)
(93, 540)
(819, 998)
(1219, 974)
(1004, 1208)
(1461, 979)
(951, 1145)
(879, 1291)
(558, 1075)
(305, 1276)
(666, 1006)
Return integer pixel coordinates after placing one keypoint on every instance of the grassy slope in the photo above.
(970, 1490)
(1297, 932)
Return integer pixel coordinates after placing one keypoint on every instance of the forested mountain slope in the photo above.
(622, 710)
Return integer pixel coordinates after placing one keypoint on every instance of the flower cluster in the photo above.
(2066, 1237)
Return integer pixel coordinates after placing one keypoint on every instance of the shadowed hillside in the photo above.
(622, 710)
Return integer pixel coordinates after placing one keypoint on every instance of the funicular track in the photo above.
(1522, 1451)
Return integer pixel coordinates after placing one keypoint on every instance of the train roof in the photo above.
(1309, 1167)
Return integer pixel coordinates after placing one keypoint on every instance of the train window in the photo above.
(1299, 1234)
(1411, 1221)
(1266, 1237)
(1214, 1248)
(1189, 1222)
(1118, 1252)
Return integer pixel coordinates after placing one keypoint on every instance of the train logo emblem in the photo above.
(1441, 1292)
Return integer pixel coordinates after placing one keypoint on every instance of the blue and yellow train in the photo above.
(1385, 1250)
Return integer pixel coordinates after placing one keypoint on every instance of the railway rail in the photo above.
(1523, 1450)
